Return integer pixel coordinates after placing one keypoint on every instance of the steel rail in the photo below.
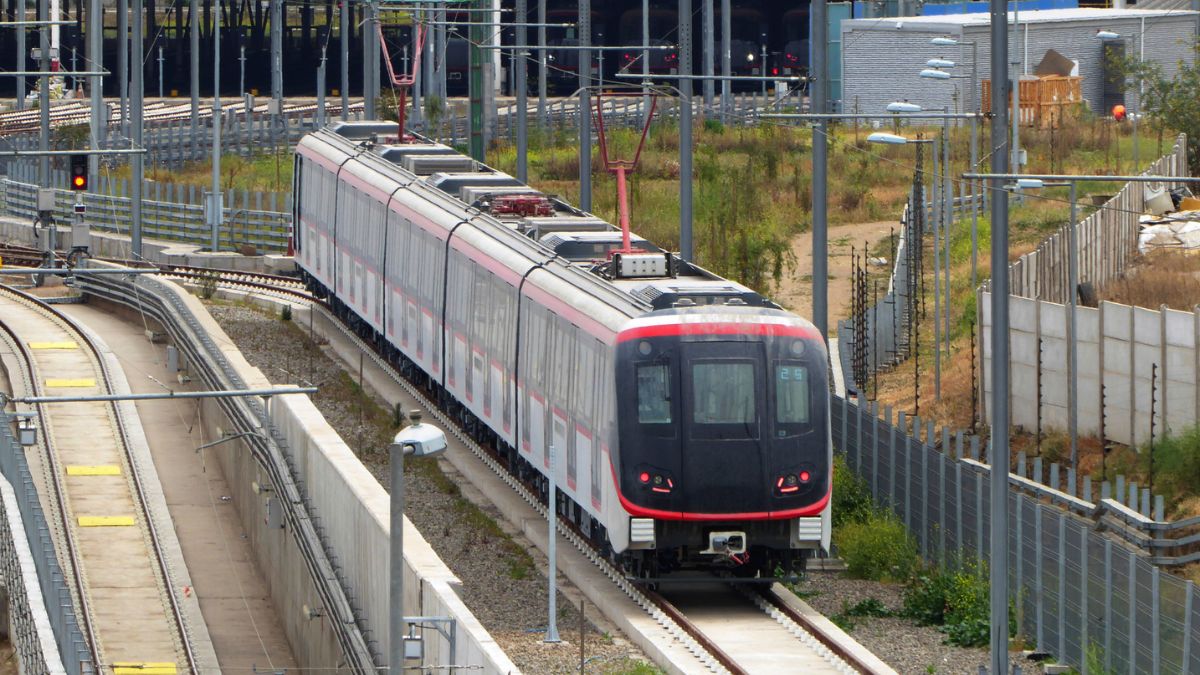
(177, 319)
(135, 473)
(55, 473)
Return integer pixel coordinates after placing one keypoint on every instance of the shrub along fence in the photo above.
(1087, 597)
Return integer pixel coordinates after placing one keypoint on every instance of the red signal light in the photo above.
(805, 476)
(645, 477)
(774, 71)
(1118, 112)
(79, 172)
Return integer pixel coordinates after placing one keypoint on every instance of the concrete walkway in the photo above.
(245, 630)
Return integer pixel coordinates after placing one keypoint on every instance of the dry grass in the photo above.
(1163, 277)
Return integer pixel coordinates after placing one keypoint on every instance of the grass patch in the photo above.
(878, 548)
(868, 608)
(1176, 469)
(1162, 277)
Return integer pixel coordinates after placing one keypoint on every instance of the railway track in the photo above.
(108, 540)
(712, 621)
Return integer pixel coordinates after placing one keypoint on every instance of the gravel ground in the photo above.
(503, 575)
(901, 643)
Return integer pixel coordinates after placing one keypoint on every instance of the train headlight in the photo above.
(797, 347)
(644, 348)
(750, 57)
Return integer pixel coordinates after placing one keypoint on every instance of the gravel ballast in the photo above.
(503, 575)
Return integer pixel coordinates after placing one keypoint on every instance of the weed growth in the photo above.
(956, 600)
(878, 548)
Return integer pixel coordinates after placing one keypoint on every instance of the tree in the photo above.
(1169, 102)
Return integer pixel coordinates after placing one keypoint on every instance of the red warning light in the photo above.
(805, 476)
(645, 477)
(1118, 112)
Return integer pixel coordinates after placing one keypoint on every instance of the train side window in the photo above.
(654, 394)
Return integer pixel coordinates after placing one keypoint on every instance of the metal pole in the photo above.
(160, 72)
(975, 185)
(123, 63)
(21, 51)
(215, 199)
(522, 96)
(552, 552)
(1072, 336)
(947, 226)
(708, 53)
(344, 44)
(685, 131)
(95, 53)
(1016, 95)
(726, 61)
(276, 64)
(820, 94)
(43, 12)
(998, 567)
(585, 116)
(321, 90)
(542, 67)
(1136, 165)
(396, 563)
(938, 207)
(370, 61)
(194, 65)
(428, 85)
(137, 96)
(645, 60)
(418, 86)
(476, 85)
(242, 71)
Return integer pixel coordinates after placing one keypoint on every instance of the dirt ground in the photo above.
(795, 290)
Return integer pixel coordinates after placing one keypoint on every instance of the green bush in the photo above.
(878, 547)
(852, 501)
(957, 601)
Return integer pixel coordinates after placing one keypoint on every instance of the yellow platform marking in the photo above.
(106, 521)
(129, 668)
(54, 345)
(68, 382)
(94, 470)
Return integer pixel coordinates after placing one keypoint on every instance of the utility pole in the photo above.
(22, 50)
(708, 55)
(160, 72)
(123, 63)
(522, 98)
(685, 130)
(418, 84)
(726, 62)
(998, 567)
(344, 45)
(542, 67)
(585, 107)
(370, 45)
(43, 13)
(478, 35)
(194, 71)
(137, 98)
(95, 52)
(820, 234)
(215, 199)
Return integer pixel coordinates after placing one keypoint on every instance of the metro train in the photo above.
(688, 416)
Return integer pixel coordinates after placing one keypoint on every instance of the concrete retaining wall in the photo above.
(1118, 347)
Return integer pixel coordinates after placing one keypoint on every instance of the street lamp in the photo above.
(1110, 36)
(934, 74)
(418, 440)
(903, 107)
(975, 105)
(940, 63)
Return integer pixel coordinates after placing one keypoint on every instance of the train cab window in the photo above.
(723, 393)
(654, 394)
(792, 396)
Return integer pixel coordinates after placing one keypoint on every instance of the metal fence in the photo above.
(59, 606)
(246, 222)
(1079, 593)
(880, 336)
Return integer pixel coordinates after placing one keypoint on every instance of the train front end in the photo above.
(724, 434)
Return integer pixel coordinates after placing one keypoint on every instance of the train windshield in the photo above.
(654, 394)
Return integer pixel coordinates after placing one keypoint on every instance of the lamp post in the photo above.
(894, 139)
(1110, 36)
(418, 440)
(975, 107)
(947, 216)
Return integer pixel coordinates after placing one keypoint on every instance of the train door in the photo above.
(724, 394)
